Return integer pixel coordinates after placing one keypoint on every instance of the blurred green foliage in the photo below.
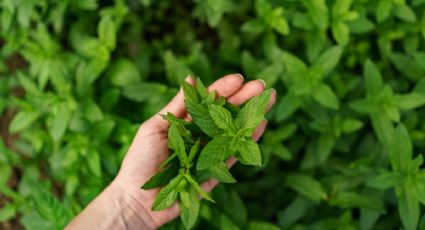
(345, 140)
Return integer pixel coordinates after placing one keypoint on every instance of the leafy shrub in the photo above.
(345, 140)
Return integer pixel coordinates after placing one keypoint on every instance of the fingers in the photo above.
(227, 85)
(249, 90)
(259, 131)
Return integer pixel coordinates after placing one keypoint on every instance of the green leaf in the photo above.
(383, 128)
(408, 208)
(356, 200)
(22, 120)
(202, 118)
(287, 106)
(294, 211)
(341, 33)
(94, 163)
(189, 213)
(198, 188)
(176, 142)
(385, 180)
(144, 91)
(252, 113)
(364, 106)
(59, 122)
(329, 59)
(406, 66)
(220, 172)
(222, 118)
(162, 178)
(404, 12)
(318, 12)
(351, 125)
(373, 79)
(255, 26)
(325, 96)
(249, 153)
(193, 150)
(409, 101)
(167, 195)
(190, 93)
(400, 148)
(202, 90)
(216, 151)
(306, 186)
(7, 212)
(106, 31)
(383, 10)
(123, 72)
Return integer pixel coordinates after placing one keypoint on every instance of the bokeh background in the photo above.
(78, 77)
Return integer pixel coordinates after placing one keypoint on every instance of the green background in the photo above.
(78, 77)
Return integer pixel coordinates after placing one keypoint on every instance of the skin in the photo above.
(123, 205)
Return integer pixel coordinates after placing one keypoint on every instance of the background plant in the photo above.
(78, 77)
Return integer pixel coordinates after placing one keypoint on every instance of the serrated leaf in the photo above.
(177, 143)
(190, 93)
(189, 214)
(193, 150)
(249, 153)
(201, 89)
(203, 119)
(252, 113)
(222, 118)
(215, 152)
(167, 195)
(198, 188)
(220, 172)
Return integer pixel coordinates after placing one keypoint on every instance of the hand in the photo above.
(148, 150)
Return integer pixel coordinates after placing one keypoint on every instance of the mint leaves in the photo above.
(218, 130)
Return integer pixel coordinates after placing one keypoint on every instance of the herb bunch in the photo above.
(199, 148)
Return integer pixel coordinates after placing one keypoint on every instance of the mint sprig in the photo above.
(218, 130)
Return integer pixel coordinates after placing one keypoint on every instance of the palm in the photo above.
(149, 148)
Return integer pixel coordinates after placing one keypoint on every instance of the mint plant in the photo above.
(219, 130)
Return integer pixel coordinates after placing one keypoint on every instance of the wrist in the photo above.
(114, 208)
(131, 213)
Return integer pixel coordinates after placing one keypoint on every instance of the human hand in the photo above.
(149, 149)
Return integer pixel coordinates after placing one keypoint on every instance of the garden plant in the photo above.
(344, 144)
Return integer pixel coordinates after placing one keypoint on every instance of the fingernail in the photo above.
(274, 91)
(240, 75)
(188, 78)
(262, 82)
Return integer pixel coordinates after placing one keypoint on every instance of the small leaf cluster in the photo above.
(218, 131)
